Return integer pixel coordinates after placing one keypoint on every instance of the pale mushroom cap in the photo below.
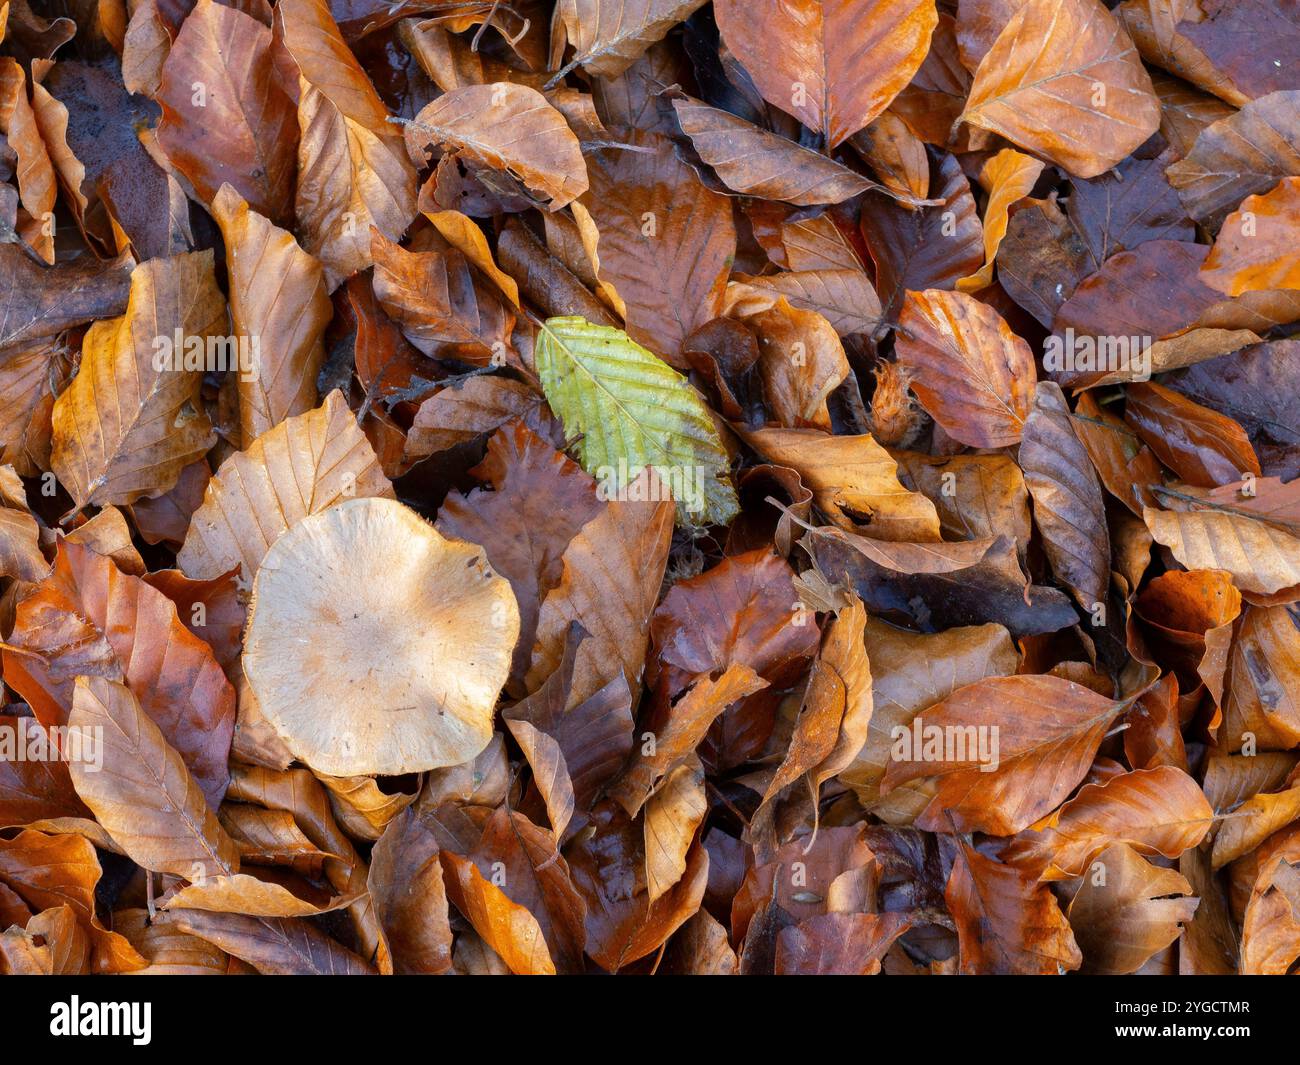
(377, 646)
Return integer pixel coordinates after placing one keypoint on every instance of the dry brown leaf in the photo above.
(853, 479)
(143, 794)
(132, 420)
(279, 307)
(1063, 80)
(673, 814)
(1006, 922)
(225, 118)
(353, 171)
(1123, 912)
(912, 672)
(1069, 508)
(34, 170)
(1047, 733)
(507, 927)
(472, 408)
(662, 241)
(1156, 811)
(608, 36)
(754, 162)
(1243, 154)
(433, 297)
(609, 583)
(506, 127)
(1008, 178)
(302, 466)
(410, 899)
(833, 64)
(1256, 248)
(969, 370)
(1263, 679)
(1260, 557)
(272, 946)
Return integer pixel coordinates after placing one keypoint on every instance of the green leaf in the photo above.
(629, 410)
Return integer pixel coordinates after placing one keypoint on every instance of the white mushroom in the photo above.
(377, 646)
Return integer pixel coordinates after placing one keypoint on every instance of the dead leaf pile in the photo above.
(650, 486)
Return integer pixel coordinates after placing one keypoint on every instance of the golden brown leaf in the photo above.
(1063, 80)
(507, 927)
(1008, 178)
(302, 466)
(225, 118)
(143, 794)
(1156, 811)
(353, 171)
(1122, 913)
(506, 127)
(1256, 248)
(853, 479)
(833, 64)
(1260, 557)
(279, 307)
(132, 420)
(969, 370)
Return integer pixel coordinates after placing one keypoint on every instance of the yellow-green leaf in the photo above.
(628, 409)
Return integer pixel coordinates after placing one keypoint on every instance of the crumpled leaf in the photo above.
(1123, 912)
(1007, 923)
(608, 36)
(508, 127)
(130, 421)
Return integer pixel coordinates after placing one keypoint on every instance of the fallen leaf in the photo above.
(1007, 923)
(279, 308)
(1126, 910)
(302, 466)
(835, 66)
(131, 419)
(1063, 79)
(1255, 249)
(969, 370)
